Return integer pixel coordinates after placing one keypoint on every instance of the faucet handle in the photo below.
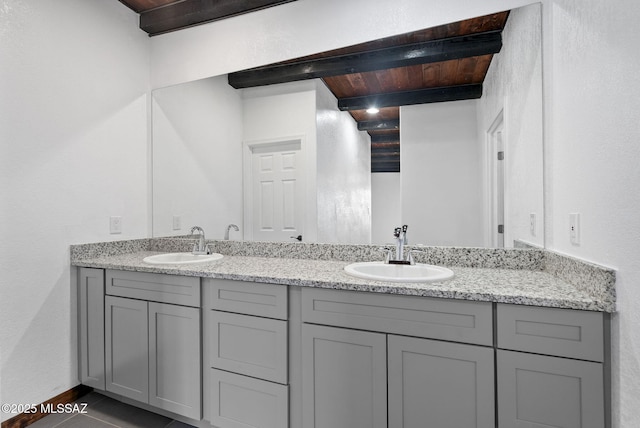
(410, 258)
(387, 256)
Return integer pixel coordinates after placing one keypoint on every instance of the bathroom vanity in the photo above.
(259, 342)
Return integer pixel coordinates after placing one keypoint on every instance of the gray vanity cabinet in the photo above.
(564, 388)
(127, 347)
(540, 391)
(348, 373)
(175, 375)
(153, 347)
(344, 378)
(450, 385)
(91, 327)
(246, 354)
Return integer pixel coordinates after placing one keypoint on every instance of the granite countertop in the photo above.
(526, 287)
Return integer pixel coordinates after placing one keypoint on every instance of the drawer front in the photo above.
(459, 321)
(179, 290)
(248, 345)
(250, 298)
(560, 332)
(244, 402)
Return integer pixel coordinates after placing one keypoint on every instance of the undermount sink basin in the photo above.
(379, 271)
(181, 258)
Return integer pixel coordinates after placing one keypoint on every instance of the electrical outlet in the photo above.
(177, 222)
(574, 228)
(115, 225)
(532, 224)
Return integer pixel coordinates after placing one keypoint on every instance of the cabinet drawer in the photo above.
(250, 298)
(244, 402)
(561, 332)
(179, 290)
(248, 345)
(454, 320)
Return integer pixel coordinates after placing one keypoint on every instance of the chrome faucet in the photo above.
(200, 247)
(231, 226)
(400, 233)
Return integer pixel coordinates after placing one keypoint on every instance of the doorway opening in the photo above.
(496, 181)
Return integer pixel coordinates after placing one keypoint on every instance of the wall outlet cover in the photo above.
(532, 224)
(574, 228)
(115, 225)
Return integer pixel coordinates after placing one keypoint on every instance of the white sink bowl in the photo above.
(380, 271)
(181, 258)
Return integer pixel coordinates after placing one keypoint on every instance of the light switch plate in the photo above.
(177, 222)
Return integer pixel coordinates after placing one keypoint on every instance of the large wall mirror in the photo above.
(290, 157)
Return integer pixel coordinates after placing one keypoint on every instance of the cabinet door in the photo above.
(91, 328)
(450, 385)
(174, 359)
(127, 347)
(344, 378)
(538, 391)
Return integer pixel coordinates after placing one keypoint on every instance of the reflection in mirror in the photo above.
(216, 160)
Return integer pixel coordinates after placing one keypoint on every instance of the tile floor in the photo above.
(105, 412)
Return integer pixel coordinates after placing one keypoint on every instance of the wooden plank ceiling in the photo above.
(163, 16)
(438, 64)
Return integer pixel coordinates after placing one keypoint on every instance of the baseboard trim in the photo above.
(26, 419)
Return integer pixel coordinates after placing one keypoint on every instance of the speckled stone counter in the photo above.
(507, 276)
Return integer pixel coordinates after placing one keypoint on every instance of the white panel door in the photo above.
(277, 192)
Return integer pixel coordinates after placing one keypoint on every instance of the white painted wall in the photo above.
(344, 174)
(197, 157)
(592, 151)
(74, 79)
(514, 85)
(441, 190)
(280, 113)
(385, 206)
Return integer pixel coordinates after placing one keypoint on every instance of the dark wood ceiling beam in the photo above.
(384, 138)
(420, 96)
(382, 152)
(187, 13)
(400, 56)
(385, 167)
(385, 146)
(385, 155)
(371, 125)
